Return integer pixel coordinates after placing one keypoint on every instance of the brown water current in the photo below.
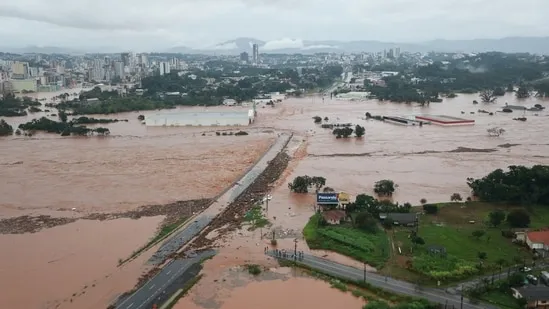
(137, 165)
(429, 162)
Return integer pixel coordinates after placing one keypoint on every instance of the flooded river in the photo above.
(47, 174)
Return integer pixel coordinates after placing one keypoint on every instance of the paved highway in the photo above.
(144, 297)
(386, 283)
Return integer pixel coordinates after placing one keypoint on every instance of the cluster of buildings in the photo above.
(245, 57)
(44, 73)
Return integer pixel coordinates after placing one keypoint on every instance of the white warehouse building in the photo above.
(229, 118)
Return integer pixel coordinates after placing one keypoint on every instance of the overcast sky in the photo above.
(158, 24)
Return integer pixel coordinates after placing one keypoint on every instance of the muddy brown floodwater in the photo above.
(429, 162)
(137, 166)
(76, 265)
(270, 291)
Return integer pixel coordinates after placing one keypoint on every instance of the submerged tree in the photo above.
(359, 131)
(385, 187)
(301, 184)
(488, 96)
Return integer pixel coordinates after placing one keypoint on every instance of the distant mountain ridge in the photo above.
(537, 45)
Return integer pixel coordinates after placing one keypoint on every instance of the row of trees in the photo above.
(10, 106)
(63, 127)
(5, 128)
(302, 184)
(519, 184)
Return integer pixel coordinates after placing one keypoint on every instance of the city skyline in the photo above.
(140, 25)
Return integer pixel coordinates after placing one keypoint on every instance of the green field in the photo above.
(362, 246)
(452, 229)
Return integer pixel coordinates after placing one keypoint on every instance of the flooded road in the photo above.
(426, 162)
(75, 176)
(139, 166)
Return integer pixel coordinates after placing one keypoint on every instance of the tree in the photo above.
(431, 209)
(488, 96)
(365, 221)
(478, 234)
(5, 128)
(418, 241)
(317, 119)
(518, 218)
(384, 187)
(318, 182)
(62, 116)
(523, 92)
(499, 91)
(496, 217)
(301, 184)
(423, 201)
(510, 88)
(359, 131)
(456, 197)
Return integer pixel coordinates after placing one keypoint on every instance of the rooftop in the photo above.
(539, 237)
(333, 215)
(533, 293)
(205, 114)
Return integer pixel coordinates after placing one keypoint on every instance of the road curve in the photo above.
(384, 282)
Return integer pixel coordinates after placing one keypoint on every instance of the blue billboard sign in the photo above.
(327, 198)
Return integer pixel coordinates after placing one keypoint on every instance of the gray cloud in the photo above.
(148, 24)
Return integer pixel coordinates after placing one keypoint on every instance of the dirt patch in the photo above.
(173, 212)
(507, 145)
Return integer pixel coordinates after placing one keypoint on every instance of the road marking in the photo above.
(152, 286)
(168, 272)
(130, 306)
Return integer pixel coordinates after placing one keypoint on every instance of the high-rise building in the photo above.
(143, 61)
(244, 57)
(119, 69)
(255, 54)
(19, 70)
(126, 59)
(397, 52)
(164, 68)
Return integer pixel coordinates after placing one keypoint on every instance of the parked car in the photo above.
(525, 269)
(532, 279)
(544, 277)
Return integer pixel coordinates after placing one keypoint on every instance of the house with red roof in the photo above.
(538, 240)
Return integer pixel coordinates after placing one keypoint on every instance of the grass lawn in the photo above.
(362, 246)
(501, 299)
(452, 229)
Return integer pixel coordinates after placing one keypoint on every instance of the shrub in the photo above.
(423, 201)
(254, 269)
(274, 242)
(241, 133)
(518, 218)
(317, 119)
(456, 197)
(430, 209)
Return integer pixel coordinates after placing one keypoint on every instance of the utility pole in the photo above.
(461, 296)
(295, 250)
